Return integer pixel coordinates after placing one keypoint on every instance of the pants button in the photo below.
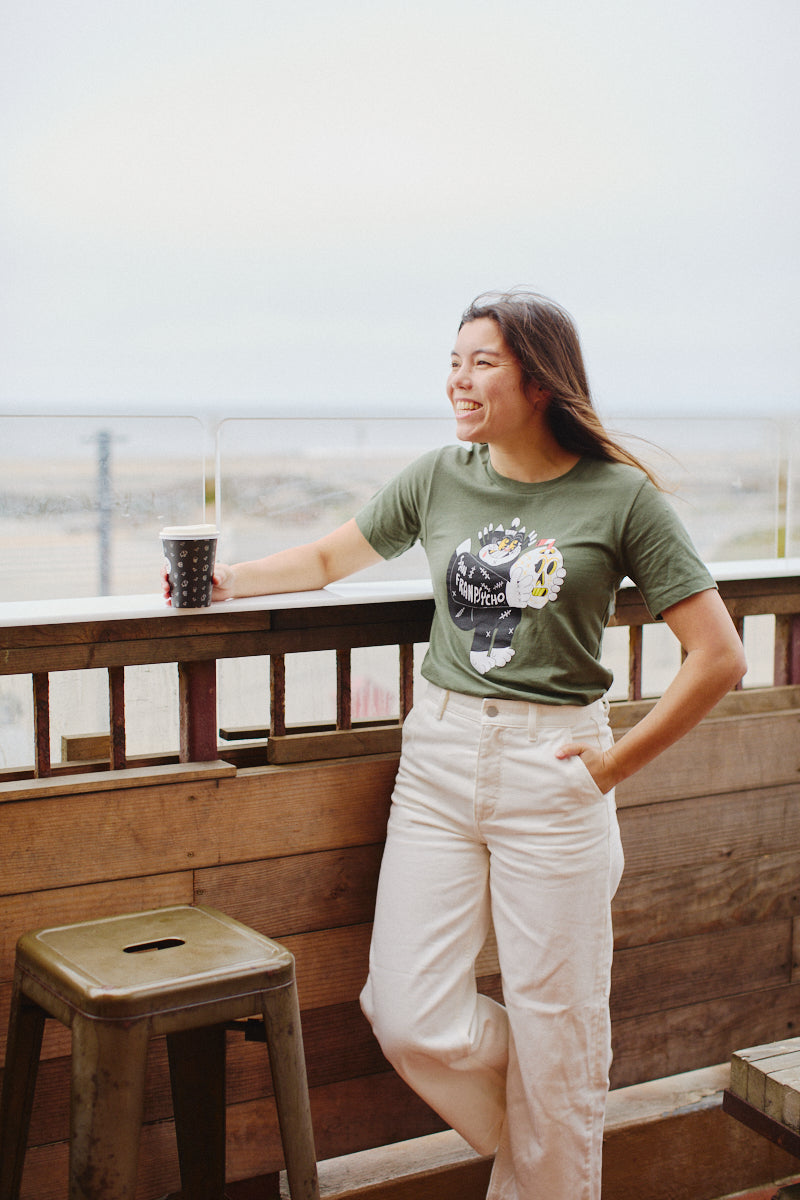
(492, 710)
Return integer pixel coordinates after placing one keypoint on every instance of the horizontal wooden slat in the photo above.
(189, 625)
(749, 702)
(671, 974)
(666, 837)
(298, 893)
(185, 625)
(732, 754)
(237, 733)
(260, 814)
(20, 775)
(700, 1033)
(117, 781)
(331, 964)
(85, 747)
(657, 906)
(76, 646)
(338, 743)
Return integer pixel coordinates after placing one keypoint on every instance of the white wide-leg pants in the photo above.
(488, 825)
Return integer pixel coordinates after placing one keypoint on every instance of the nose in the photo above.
(460, 376)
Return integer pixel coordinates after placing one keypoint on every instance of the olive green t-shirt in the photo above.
(525, 574)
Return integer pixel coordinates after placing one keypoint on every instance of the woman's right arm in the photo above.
(298, 568)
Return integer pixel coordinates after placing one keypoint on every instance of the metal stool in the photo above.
(184, 972)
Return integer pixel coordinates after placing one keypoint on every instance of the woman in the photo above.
(503, 808)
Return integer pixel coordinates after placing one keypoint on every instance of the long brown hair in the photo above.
(542, 337)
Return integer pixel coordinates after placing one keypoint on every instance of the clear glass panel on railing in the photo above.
(723, 476)
(78, 710)
(152, 723)
(16, 722)
(82, 500)
(284, 482)
(759, 649)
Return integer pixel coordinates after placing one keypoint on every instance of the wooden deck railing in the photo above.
(278, 627)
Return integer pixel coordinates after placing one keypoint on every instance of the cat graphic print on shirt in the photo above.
(487, 591)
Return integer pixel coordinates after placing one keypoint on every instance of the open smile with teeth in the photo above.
(466, 406)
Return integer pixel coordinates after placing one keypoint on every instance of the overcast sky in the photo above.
(245, 206)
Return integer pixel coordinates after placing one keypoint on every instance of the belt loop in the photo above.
(602, 708)
(445, 696)
(533, 732)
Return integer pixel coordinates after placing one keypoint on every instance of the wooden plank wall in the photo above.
(706, 918)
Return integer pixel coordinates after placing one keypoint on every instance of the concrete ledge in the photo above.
(667, 1139)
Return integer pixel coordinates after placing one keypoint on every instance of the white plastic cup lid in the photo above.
(189, 531)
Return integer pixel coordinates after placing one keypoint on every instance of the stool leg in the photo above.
(197, 1074)
(25, 1028)
(287, 1062)
(108, 1072)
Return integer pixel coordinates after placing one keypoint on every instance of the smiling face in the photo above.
(486, 389)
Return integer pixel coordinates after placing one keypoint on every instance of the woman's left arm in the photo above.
(714, 663)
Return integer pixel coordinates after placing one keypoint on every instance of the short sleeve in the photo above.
(659, 555)
(392, 521)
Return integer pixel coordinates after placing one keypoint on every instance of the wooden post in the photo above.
(787, 649)
(198, 710)
(344, 710)
(41, 722)
(116, 722)
(277, 695)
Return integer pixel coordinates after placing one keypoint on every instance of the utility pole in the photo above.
(104, 508)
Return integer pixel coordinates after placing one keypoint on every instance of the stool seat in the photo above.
(184, 972)
(152, 964)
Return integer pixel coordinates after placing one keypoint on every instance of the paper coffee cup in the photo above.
(190, 551)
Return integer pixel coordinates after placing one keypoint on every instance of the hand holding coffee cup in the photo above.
(190, 551)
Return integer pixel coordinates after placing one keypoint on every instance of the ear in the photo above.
(538, 398)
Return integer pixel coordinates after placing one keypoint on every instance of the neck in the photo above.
(532, 463)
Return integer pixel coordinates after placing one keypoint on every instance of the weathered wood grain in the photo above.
(81, 784)
(728, 962)
(733, 827)
(337, 743)
(658, 906)
(752, 751)
(298, 893)
(671, 1040)
(146, 831)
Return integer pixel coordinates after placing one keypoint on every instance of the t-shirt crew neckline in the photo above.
(546, 485)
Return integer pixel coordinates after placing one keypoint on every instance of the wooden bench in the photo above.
(764, 1094)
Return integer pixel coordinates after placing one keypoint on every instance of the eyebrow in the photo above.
(479, 350)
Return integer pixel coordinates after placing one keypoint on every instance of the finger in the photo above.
(571, 750)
